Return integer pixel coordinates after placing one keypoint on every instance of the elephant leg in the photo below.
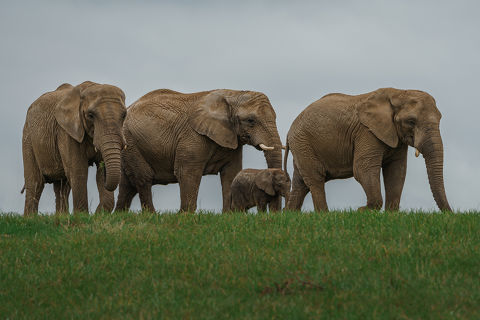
(262, 207)
(78, 182)
(189, 181)
(394, 172)
(107, 200)
(239, 201)
(125, 194)
(318, 196)
(227, 174)
(62, 192)
(367, 173)
(80, 195)
(33, 191)
(145, 194)
(137, 177)
(75, 164)
(275, 204)
(313, 176)
(316, 183)
(237, 207)
(299, 191)
(34, 182)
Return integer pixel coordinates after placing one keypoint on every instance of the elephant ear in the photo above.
(67, 114)
(376, 114)
(212, 118)
(264, 181)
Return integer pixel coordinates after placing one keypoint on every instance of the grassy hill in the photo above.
(352, 265)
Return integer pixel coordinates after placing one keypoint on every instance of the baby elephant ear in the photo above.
(264, 181)
(67, 114)
(376, 113)
(212, 118)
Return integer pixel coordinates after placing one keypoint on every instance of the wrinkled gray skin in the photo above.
(62, 130)
(175, 137)
(340, 136)
(255, 187)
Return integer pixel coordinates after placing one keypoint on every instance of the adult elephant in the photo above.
(176, 137)
(340, 136)
(66, 131)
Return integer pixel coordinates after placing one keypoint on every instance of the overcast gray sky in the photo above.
(294, 52)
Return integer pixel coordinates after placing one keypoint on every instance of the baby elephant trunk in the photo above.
(286, 192)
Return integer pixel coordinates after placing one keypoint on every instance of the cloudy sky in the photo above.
(294, 52)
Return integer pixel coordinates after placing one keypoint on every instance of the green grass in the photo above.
(349, 265)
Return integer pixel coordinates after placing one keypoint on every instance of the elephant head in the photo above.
(98, 111)
(232, 118)
(273, 181)
(411, 117)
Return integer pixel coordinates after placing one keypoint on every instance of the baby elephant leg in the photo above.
(275, 205)
(237, 205)
(262, 207)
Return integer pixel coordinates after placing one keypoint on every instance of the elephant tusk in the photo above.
(264, 147)
(125, 147)
(124, 140)
(417, 153)
(95, 149)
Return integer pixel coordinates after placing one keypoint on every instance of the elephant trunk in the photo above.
(110, 149)
(432, 150)
(274, 156)
(287, 197)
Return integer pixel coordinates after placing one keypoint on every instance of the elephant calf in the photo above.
(254, 187)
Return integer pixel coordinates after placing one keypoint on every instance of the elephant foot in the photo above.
(102, 208)
(367, 208)
(63, 213)
(185, 212)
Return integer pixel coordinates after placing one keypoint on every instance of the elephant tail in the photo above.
(23, 189)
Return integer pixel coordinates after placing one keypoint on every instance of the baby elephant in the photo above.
(255, 187)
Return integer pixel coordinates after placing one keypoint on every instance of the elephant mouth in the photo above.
(245, 139)
(409, 140)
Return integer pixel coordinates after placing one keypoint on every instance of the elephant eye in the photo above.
(251, 121)
(411, 122)
(90, 115)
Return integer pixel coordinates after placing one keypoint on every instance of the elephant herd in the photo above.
(172, 137)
